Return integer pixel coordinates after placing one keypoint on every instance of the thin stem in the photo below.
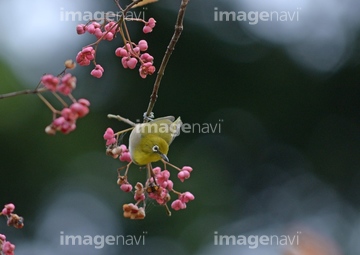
(48, 104)
(23, 92)
(168, 212)
(127, 168)
(167, 163)
(118, 4)
(130, 6)
(72, 98)
(128, 35)
(176, 192)
(165, 60)
(118, 117)
(151, 173)
(123, 131)
(60, 99)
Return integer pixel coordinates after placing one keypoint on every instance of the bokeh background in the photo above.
(286, 160)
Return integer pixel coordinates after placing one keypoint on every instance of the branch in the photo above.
(165, 60)
(23, 92)
(118, 117)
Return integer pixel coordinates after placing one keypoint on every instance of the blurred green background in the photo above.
(285, 93)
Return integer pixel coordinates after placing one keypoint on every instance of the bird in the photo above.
(149, 142)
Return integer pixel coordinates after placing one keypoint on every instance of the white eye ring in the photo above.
(155, 148)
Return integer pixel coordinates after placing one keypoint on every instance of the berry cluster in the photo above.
(157, 186)
(14, 220)
(131, 54)
(63, 84)
(68, 116)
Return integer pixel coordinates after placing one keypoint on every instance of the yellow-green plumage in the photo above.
(157, 134)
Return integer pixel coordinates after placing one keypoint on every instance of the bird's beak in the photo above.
(164, 157)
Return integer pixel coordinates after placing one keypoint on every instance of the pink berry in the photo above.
(151, 22)
(68, 83)
(147, 29)
(124, 61)
(126, 187)
(139, 197)
(58, 122)
(131, 63)
(50, 82)
(111, 27)
(91, 28)
(98, 33)
(96, 24)
(156, 170)
(85, 55)
(143, 45)
(121, 52)
(84, 102)
(80, 29)
(68, 114)
(108, 36)
(186, 197)
(146, 69)
(187, 168)
(109, 136)
(8, 209)
(146, 57)
(125, 157)
(8, 248)
(97, 71)
(177, 205)
(182, 175)
(79, 109)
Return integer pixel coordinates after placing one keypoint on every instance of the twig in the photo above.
(165, 60)
(23, 92)
(118, 117)
(130, 6)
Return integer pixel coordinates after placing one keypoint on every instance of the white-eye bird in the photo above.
(149, 142)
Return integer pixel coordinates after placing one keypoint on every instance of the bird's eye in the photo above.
(155, 148)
